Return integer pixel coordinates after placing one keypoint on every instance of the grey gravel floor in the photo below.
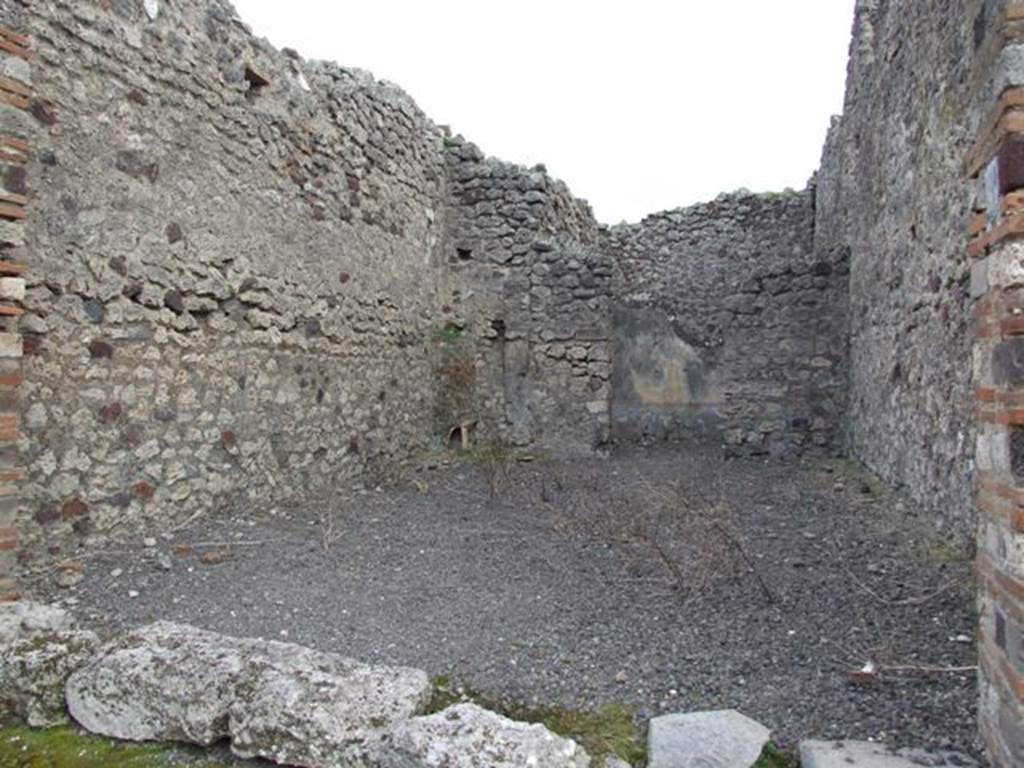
(554, 591)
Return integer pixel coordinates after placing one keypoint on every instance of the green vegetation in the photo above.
(610, 730)
(72, 748)
(450, 333)
(606, 731)
(495, 459)
(773, 757)
(953, 551)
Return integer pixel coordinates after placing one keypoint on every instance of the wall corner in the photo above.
(16, 121)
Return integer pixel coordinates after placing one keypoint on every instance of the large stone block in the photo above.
(1010, 722)
(1008, 453)
(1011, 164)
(993, 450)
(720, 739)
(12, 233)
(278, 701)
(467, 736)
(1006, 265)
(990, 190)
(39, 650)
(164, 682)
(979, 278)
(981, 365)
(868, 754)
(1009, 69)
(16, 68)
(1008, 363)
(12, 288)
(297, 706)
(16, 122)
(34, 671)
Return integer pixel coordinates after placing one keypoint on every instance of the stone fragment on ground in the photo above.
(34, 669)
(283, 702)
(866, 754)
(24, 618)
(720, 739)
(163, 682)
(468, 736)
(69, 573)
(297, 706)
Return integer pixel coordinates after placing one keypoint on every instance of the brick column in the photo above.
(16, 124)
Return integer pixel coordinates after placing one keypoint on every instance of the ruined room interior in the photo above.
(327, 439)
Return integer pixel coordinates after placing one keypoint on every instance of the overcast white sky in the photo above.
(639, 106)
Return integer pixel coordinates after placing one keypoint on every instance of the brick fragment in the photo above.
(10, 424)
(15, 100)
(9, 591)
(44, 112)
(73, 509)
(100, 349)
(47, 514)
(111, 412)
(13, 37)
(13, 86)
(143, 491)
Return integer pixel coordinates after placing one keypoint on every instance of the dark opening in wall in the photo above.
(499, 327)
(1017, 452)
(464, 254)
(256, 81)
(460, 438)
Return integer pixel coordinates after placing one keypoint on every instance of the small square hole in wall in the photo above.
(464, 254)
(256, 81)
(1017, 453)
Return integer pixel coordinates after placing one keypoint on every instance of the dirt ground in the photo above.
(666, 581)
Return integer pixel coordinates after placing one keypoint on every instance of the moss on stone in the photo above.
(609, 730)
(773, 757)
(73, 748)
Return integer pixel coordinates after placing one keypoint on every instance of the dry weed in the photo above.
(694, 541)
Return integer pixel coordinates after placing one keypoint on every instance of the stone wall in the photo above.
(17, 139)
(891, 191)
(729, 327)
(531, 289)
(995, 165)
(257, 274)
(229, 296)
(925, 156)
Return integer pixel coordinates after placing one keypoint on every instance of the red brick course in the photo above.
(14, 150)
